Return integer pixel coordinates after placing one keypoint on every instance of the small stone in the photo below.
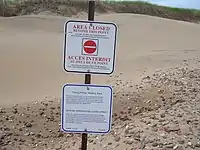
(160, 91)
(60, 135)
(172, 128)
(117, 138)
(110, 143)
(180, 115)
(21, 140)
(162, 115)
(38, 135)
(117, 145)
(28, 125)
(197, 144)
(124, 118)
(155, 144)
(27, 134)
(15, 111)
(2, 136)
(181, 141)
(90, 140)
(190, 143)
(175, 147)
(58, 147)
(147, 78)
(129, 141)
(41, 113)
(155, 129)
(170, 145)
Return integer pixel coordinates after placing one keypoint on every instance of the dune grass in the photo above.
(102, 6)
(168, 8)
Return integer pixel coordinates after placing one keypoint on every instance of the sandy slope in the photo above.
(31, 52)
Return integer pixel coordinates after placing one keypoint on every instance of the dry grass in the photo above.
(71, 7)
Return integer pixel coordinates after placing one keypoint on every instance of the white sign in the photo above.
(89, 47)
(86, 108)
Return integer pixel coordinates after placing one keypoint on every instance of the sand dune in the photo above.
(31, 50)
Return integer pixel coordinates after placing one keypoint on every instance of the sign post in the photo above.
(91, 10)
(89, 48)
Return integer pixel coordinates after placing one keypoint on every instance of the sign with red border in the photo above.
(89, 47)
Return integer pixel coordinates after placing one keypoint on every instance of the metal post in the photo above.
(2, 7)
(91, 10)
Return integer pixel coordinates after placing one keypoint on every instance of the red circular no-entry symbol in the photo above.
(90, 46)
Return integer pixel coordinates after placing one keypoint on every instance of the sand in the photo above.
(31, 52)
(31, 60)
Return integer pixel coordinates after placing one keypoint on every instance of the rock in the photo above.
(21, 140)
(27, 134)
(181, 141)
(162, 115)
(197, 144)
(190, 143)
(155, 144)
(2, 111)
(146, 78)
(161, 91)
(110, 143)
(124, 118)
(176, 147)
(38, 135)
(171, 128)
(134, 131)
(169, 145)
(117, 145)
(41, 113)
(58, 147)
(90, 140)
(15, 111)
(2, 135)
(60, 135)
(28, 125)
(117, 138)
(128, 141)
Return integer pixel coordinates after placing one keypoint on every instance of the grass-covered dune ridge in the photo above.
(73, 7)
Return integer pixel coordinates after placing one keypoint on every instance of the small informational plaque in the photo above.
(86, 108)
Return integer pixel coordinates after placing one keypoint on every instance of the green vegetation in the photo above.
(73, 7)
(170, 9)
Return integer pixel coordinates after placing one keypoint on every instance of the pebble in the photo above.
(162, 115)
(197, 144)
(28, 125)
(190, 143)
(27, 134)
(129, 141)
(117, 138)
(2, 136)
(176, 146)
(172, 128)
(58, 147)
(155, 144)
(170, 145)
